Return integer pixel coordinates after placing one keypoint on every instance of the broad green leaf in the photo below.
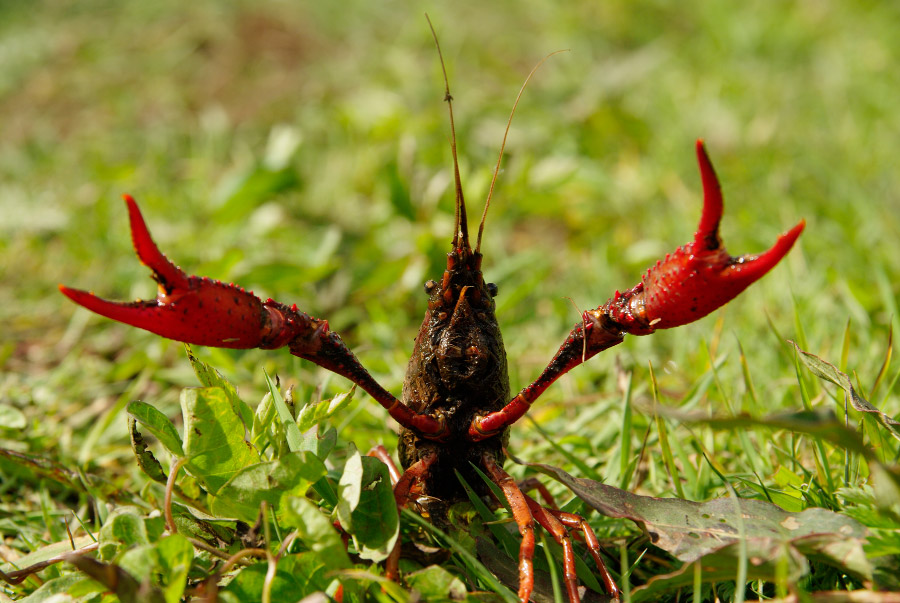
(124, 528)
(350, 486)
(210, 377)
(314, 413)
(11, 418)
(785, 477)
(141, 562)
(117, 580)
(366, 506)
(164, 563)
(434, 583)
(786, 501)
(176, 554)
(214, 437)
(315, 530)
(193, 524)
(270, 481)
(320, 445)
(690, 530)
(158, 425)
(296, 577)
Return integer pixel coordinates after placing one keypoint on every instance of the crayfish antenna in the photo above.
(512, 113)
(461, 235)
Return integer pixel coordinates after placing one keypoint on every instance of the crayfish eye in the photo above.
(492, 289)
(429, 287)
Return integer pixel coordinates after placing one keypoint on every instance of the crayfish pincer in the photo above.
(456, 406)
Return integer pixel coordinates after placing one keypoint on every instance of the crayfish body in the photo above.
(457, 371)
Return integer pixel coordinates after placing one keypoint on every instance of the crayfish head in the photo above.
(458, 365)
(461, 323)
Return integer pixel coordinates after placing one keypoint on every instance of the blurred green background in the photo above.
(301, 149)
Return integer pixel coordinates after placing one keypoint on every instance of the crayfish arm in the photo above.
(602, 333)
(694, 280)
(327, 349)
(208, 312)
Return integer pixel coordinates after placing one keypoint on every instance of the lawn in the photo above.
(302, 150)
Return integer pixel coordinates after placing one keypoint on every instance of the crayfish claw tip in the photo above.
(782, 245)
(755, 267)
(74, 294)
(148, 252)
(95, 304)
(708, 229)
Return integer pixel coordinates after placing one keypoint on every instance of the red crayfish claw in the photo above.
(698, 277)
(188, 308)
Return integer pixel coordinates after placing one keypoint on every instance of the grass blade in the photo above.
(664, 438)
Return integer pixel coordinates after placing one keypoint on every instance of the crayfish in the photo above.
(456, 408)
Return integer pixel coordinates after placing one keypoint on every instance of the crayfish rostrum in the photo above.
(455, 409)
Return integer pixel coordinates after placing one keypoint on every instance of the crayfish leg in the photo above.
(518, 503)
(415, 474)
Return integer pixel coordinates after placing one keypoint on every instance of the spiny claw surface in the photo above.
(188, 308)
(698, 277)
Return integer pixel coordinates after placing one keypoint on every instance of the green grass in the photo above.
(302, 151)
